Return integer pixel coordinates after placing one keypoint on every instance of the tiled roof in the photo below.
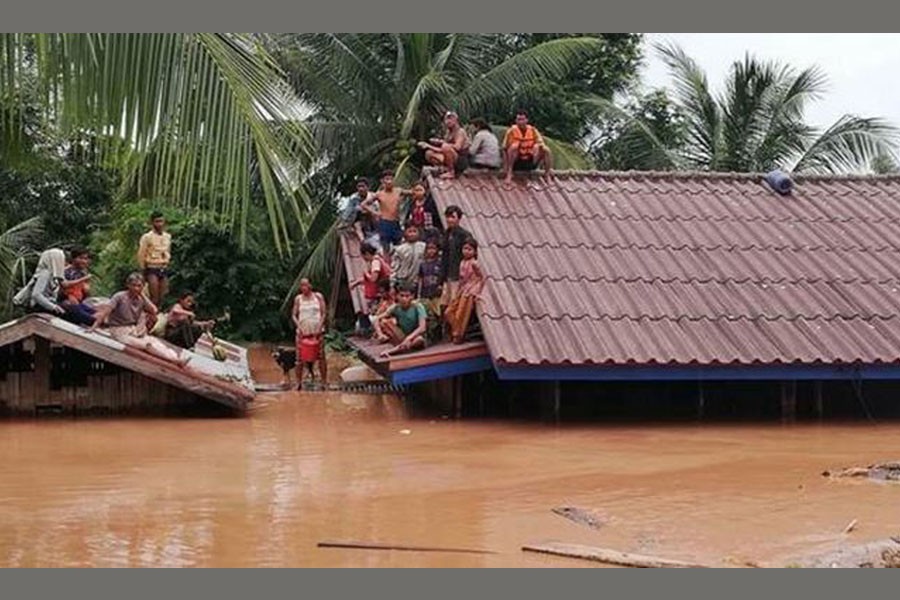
(665, 268)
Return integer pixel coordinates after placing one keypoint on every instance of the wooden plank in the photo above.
(612, 557)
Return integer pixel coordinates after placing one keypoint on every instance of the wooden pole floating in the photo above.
(399, 547)
(612, 557)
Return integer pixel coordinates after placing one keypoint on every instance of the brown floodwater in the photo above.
(303, 468)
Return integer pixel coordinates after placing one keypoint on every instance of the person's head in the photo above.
(451, 120)
(362, 186)
(418, 192)
(453, 214)
(411, 234)
(158, 221)
(479, 123)
(368, 251)
(387, 179)
(305, 287)
(431, 249)
(522, 118)
(81, 258)
(405, 296)
(187, 300)
(470, 248)
(135, 284)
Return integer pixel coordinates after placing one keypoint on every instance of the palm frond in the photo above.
(641, 144)
(551, 60)
(184, 115)
(849, 145)
(702, 114)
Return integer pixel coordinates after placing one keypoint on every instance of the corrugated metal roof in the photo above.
(675, 268)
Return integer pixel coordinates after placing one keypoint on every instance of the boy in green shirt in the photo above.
(404, 325)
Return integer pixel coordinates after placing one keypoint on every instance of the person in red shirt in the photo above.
(524, 148)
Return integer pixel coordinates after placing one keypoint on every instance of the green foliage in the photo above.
(557, 107)
(619, 142)
(204, 120)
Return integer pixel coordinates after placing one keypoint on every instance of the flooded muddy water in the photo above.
(264, 490)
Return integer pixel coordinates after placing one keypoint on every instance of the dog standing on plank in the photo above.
(286, 357)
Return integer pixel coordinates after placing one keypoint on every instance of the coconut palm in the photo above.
(372, 95)
(757, 123)
(202, 119)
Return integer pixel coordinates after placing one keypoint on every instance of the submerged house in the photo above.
(48, 364)
(601, 277)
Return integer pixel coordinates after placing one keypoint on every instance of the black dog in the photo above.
(286, 359)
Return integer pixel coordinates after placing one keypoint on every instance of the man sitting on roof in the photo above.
(451, 152)
(125, 318)
(403, 325)
(524, 148)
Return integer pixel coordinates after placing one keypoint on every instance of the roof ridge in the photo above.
(681, 175)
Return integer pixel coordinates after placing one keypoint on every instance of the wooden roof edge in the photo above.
(200, 383)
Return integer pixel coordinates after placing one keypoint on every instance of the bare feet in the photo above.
(508, 178)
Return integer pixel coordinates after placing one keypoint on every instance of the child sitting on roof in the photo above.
(471, 281)
(403, 325)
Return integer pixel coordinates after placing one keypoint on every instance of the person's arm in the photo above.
(142, 251)
(37, 294)
(150, 308)
(460, 140)
(477, 143)
(538, 138)
(507, 138)
(67, 283)
(102, 314)
(295, 310)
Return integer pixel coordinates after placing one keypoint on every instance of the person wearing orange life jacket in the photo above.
(524, 148)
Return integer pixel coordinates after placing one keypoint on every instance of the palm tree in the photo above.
(16, 243)
(204, 120)
(370, 95)
(757, 123)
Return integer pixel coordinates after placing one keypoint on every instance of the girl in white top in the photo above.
(309, 319)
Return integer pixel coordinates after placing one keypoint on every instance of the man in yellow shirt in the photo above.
(154, 254)
(524, 148)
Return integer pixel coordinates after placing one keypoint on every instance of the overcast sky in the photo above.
(863, 70)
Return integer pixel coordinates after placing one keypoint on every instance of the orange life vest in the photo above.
(526, 140)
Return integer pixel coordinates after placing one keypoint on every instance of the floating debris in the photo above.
(889, 471)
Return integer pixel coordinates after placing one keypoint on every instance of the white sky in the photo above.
(863, 69)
